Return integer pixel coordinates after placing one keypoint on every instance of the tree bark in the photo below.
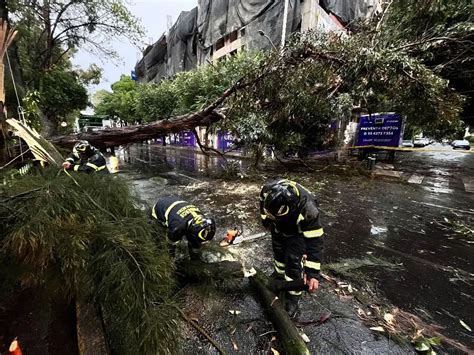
(123, 135)
(196, 270)
(289, 337)
(49, 127)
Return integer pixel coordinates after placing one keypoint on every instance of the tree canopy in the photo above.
(120, 103)
(291, 98)
(50, 32)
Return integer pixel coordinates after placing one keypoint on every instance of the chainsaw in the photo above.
(234, 236)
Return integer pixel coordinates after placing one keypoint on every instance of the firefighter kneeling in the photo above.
(182, 219)
(85, 158)
(290, 211)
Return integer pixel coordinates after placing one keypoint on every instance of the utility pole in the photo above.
(283, 29)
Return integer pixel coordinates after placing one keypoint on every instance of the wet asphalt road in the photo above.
(409, 221)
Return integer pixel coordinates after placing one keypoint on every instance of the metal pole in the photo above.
(261, 33)
(283, 29)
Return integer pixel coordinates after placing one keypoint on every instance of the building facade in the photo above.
(216, 29)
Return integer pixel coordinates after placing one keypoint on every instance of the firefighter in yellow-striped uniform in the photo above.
(85, 158)
(183, 220)
(290, 211)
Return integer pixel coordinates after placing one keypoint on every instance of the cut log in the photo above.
(196, 270)
(289, 337)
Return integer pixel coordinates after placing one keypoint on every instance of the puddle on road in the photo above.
(379, 231)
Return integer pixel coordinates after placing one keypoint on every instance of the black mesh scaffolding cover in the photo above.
(190, 39)
(350, 10)
(173, 53)
(217, 18)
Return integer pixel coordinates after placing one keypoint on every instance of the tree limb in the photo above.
(433, 39)
(205, 149)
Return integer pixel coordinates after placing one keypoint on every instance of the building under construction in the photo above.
(215, 29)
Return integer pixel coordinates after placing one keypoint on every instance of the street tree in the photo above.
(440, 34)
(120, 103)
(295, 99)
(52, 31)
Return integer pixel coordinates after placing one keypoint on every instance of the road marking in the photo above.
(416, 179)
(468, 184)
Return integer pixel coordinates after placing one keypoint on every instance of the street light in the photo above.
(261, 33)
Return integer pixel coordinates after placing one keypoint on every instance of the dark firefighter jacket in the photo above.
(175, 214)
(305, 222)
(95, 163)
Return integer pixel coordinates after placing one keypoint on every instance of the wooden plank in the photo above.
(416, 179)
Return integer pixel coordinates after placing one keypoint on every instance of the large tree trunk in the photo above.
(49, 127)
(123, 135)
(290, 339)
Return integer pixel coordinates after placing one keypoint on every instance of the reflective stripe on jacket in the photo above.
(175, 214)
(94, 164)
(304, 222)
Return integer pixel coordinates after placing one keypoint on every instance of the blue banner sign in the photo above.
(225, 140)
(380, 129)
(183, 138)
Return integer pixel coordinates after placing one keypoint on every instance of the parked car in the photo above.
(461, 144)
(421, 142)
(407, 143)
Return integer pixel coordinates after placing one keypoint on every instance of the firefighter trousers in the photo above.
(288, 256)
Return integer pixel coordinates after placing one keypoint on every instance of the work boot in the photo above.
(292, 305)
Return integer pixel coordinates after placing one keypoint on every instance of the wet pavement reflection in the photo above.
(405, 224)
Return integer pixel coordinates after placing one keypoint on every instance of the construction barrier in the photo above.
(400, 149)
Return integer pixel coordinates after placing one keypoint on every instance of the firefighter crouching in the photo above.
(183, 220)
(85, 158)
(290, 211)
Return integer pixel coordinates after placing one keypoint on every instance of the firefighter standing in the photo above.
(182, 219)
(290, 211)
(85, 158)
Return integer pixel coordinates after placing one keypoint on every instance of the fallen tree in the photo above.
(112, 137)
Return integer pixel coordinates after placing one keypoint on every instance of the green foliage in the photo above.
(439, 33)
(120, 103)
(50, 32)
(62, 93)
(288, 100)
(91, 239)
(91, 75)
(193, 90)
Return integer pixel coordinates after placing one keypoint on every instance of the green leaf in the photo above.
(468, 328)
(422, 345)
(435, 341)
